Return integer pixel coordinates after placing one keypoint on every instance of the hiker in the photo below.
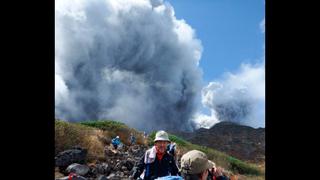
(132, 139)
(195, 165)
(115, 142)
(156, 162)
(145, 135)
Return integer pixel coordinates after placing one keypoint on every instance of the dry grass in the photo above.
(68, 135)
(95, 145)
(117, 129)
(94, 139)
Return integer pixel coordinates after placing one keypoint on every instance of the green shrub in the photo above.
(105, 124)
(179, 141)
(151, 137)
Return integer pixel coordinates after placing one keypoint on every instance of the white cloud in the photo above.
(61, 89)
(238, 97)
(205, 121)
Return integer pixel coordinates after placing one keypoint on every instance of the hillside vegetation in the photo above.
(91, 135)
(95, 135)
(240, 141)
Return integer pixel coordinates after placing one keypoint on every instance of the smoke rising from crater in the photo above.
(126, 60)
(238, 97)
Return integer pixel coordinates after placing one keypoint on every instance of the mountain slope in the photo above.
(243, 142)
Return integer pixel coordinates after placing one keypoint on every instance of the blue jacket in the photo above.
(115, 141)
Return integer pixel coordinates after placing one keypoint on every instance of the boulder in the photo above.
(129, 164)
(115, 176)
(119, 165)
(78, 169)
(103, 168)
(102, 177)
(76, 155)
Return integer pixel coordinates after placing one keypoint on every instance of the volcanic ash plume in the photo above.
(238, 97)
(127, 60)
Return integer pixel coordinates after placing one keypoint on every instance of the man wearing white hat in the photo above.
(156, 162)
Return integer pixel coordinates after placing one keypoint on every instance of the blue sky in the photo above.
(228, 29)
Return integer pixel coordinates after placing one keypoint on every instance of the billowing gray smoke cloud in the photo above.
(237, 97)
(127, 60)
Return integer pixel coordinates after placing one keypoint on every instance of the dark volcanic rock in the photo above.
(78, 169)
(102, 177)
(118, 164)
(103, 168)
(65, 158)
(114, 177)
(77, 177)
(129, 164)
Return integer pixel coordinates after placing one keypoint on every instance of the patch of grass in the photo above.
(179, 141)
(105, 124)
(218, 157)
(115, 128)
(241, 167)
(68, 135)
(92, 135)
